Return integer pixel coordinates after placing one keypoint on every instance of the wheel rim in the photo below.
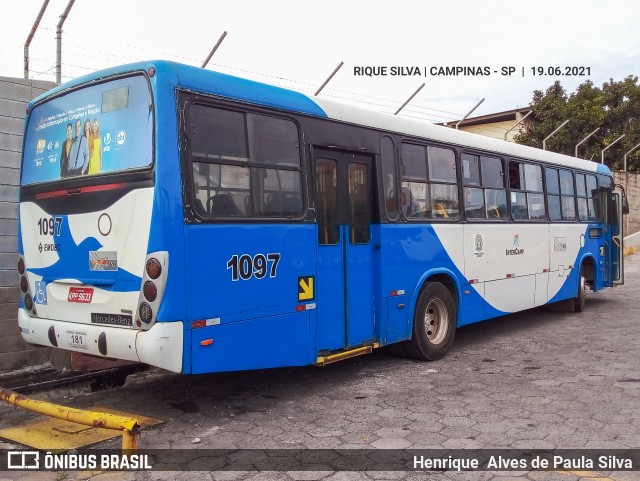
(436, 317)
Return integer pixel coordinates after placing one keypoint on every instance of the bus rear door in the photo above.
(345, 261)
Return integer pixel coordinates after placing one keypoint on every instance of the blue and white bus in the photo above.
(200, 222)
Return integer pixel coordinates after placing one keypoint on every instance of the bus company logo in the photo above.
(103, 261)
(40, 146)
(516, 244)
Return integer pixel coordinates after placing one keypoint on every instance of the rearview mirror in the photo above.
(625, 205)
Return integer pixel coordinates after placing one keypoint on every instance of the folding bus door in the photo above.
(344, 193)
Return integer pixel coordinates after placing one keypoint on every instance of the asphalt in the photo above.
(541, 379)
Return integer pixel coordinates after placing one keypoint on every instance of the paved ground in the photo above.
(537, 379)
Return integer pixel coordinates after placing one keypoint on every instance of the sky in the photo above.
(297, 44)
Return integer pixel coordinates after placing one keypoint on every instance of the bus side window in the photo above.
(244, 164)
(326, 196)
(527, 191)
(389, 184)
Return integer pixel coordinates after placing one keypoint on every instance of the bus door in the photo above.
(615, 266)
(344, 285)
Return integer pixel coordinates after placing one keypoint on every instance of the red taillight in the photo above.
(150, 291)
(21, 266)
(154, 268)
(24, 285)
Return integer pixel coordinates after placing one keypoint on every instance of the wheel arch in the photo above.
(587, 265)
(443, 276)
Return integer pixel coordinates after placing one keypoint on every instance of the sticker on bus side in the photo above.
(103, 260)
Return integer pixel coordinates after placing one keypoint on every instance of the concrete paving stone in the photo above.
(459, 432)
(393, 413)
(264, 430)
(547, 417)
(462, 443)
(462, 421)
(619, 443)
(268, 476)
(28, 476)
(568, 441)
(395, 432)
(326, 432)
(532, 444)
(509, 475)
(419, 439)
(386, 475)
(553, 476)
(308, 475)
(391, 443)
(492, 427)
(228, 475)
(123, 476)
(425, 426)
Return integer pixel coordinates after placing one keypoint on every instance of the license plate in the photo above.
(80, 294)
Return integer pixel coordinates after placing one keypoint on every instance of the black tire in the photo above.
(579, 302)
(434, 323)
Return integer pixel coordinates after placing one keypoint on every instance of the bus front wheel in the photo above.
(434, 323)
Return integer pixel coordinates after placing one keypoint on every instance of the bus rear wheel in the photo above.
(434, 323)
(580, 300)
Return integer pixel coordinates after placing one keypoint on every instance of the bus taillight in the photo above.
(154, 281)
(21, 267)
(28, 302)
(154, 269)
(145, 312)
(24, 284)
(150, 291)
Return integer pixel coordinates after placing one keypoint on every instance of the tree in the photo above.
(614, 108)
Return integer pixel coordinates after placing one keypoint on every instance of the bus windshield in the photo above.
(102, 128)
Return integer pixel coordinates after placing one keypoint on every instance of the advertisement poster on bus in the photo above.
(99, 129)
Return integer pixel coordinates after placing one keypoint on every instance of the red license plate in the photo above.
(80, 294)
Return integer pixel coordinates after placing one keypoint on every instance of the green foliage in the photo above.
(614, 109)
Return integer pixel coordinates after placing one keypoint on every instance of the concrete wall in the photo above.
(14, 95)
(631, 185)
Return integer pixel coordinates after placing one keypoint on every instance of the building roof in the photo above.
(492, 118)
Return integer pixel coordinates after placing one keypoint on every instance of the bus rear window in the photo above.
(102, 128)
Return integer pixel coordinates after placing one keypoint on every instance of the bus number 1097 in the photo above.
(245, 267)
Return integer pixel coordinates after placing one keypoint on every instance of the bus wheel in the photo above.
(581, 299)
(434, 323)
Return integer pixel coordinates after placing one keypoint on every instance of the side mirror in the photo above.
(625, 205)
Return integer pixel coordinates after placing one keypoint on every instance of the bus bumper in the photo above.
(160, 346)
